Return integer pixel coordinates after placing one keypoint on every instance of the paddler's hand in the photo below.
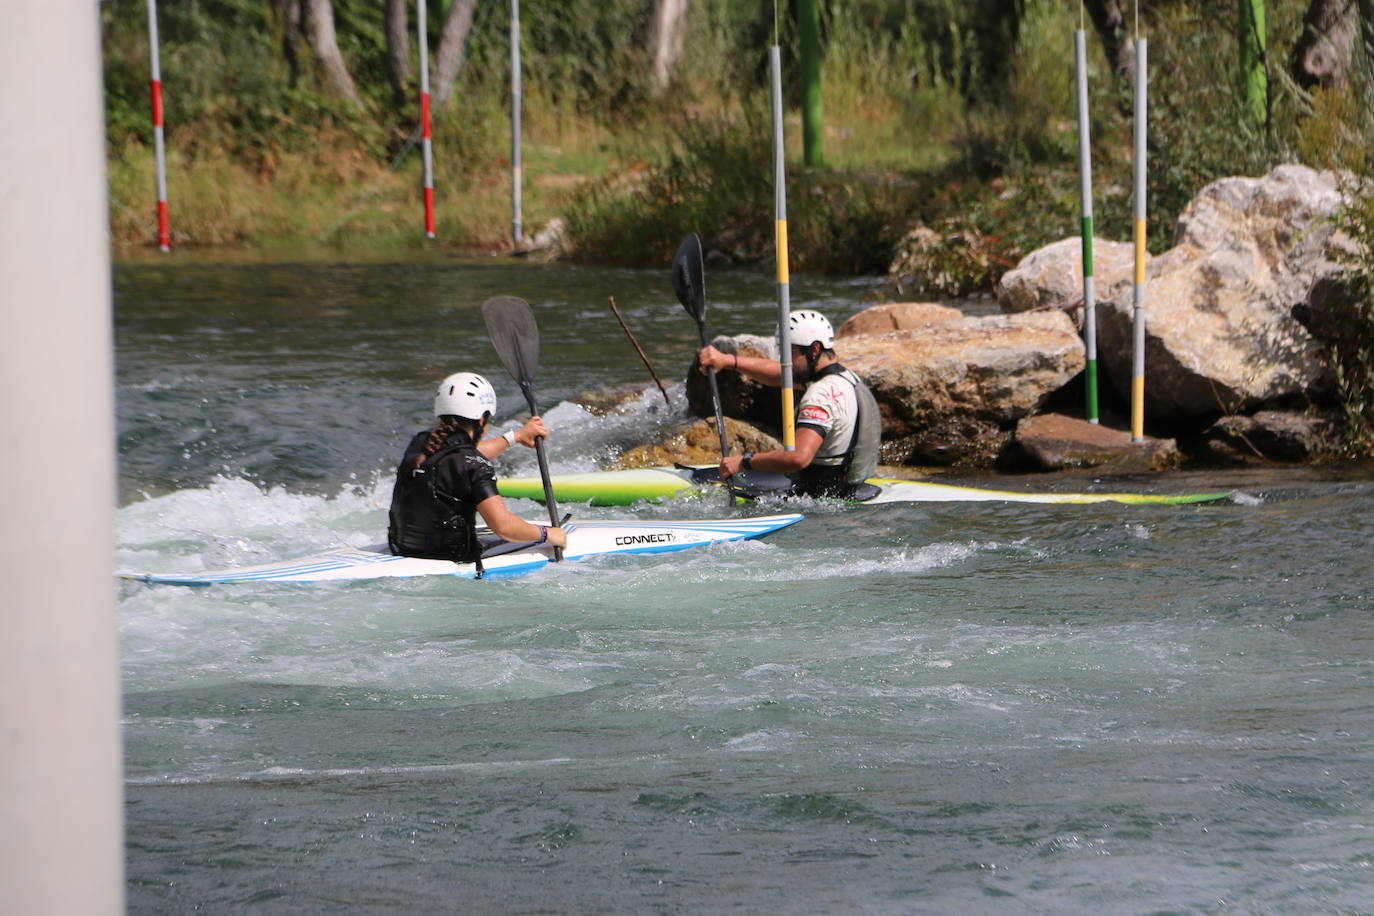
(534, 428)
(558, 537)
(708, 357)
(730, 466)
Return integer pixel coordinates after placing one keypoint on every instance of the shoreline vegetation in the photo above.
(952, 117)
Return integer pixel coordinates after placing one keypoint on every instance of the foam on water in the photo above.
(905, 708)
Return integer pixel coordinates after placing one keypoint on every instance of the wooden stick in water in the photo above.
(640, 351)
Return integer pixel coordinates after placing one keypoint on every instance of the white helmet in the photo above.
(807, 326)
(465, 394)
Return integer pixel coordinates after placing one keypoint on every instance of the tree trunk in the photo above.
(326, 48)
(453, 39)
(1325, 49)
(397, 48)
(667, 23)
(813, 133)
(1111, 19)
(291, 16)
(1367, 34)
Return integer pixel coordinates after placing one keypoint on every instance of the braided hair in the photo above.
(447, 426)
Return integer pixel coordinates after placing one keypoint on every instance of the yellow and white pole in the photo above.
(789, 422)
(61, 779)
(1138, 313)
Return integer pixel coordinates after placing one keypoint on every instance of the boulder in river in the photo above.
(1052, 277)
(740, 397)
(1054, 442)
(1220, 331)
(698, 443)
(896, 316)
(950, 388)
(1269, 437)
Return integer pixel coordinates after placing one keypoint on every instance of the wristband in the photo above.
(736, 366)
(543, 534)
(747, 463)
(509, 436)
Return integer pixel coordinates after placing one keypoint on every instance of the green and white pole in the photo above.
(1085, 173)
(789, 424)
(1138, 313)
(516, 178)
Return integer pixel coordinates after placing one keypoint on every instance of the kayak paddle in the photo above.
(689, 282)
(515, 338)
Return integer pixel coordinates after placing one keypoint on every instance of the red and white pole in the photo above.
(424, 119)
(164, 239)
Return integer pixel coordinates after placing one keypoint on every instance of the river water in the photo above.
(891, 709)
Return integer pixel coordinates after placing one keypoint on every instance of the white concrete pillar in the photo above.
(61, 845)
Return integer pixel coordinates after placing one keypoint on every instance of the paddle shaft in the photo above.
(715, 394)
(640, 350)
(549, 502)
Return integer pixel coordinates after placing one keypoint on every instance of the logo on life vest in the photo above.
(626, 540)
(813, 412)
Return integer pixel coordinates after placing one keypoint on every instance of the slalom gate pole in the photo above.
(1085, 172)
(1138, 313)
(516, 177)
(164, 238)
(425, 141)
(789, 423)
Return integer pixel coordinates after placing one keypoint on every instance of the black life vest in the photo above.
(428, 522)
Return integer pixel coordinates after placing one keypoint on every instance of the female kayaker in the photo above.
(445, 479)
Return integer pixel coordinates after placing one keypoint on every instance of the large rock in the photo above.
(1053, 442)
(896, 316)
(698, 443)
(1000, 367)
(1052, 277)
(950, 389)
(1220, 334)
(1269, 437)
(739, 397)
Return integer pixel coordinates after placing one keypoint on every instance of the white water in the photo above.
(895, 709)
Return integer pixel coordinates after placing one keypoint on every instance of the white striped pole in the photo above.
(1085, 173)
(164, 239)
(1138, 314)
(425, 143)
(515, 91)
(789, 422)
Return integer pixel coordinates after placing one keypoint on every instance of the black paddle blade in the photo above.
(514, 335)
(689, 277)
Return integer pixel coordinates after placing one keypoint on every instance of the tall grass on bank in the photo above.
(953, 115)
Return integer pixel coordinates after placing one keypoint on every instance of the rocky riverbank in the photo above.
(1234, 372)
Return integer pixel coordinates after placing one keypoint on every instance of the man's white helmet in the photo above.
(805, 326)
(465, 394)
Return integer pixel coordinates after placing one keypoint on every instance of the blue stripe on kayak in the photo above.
(733, 531)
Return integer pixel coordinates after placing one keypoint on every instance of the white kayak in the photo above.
(585, 539)
(623, 488)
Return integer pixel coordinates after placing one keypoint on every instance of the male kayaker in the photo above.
(445, 479)
(838, 426)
